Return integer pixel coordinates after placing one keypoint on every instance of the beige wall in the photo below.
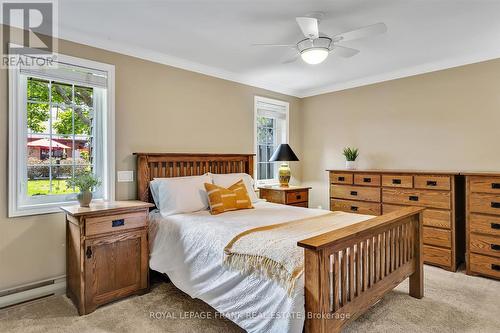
(446, 120)
(158, 109)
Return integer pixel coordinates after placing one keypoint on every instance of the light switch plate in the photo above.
(125, 176)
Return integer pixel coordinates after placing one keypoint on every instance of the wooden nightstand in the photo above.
(292, 195)
(106, 252)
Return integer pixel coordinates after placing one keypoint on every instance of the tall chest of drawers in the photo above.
(483, 224)
(377, 192)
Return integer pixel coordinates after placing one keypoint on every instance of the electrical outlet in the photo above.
(125, 176)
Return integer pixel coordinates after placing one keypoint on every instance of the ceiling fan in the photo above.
(314, 49)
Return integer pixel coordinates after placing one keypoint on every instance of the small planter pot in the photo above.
(84, 198)
(350, 165)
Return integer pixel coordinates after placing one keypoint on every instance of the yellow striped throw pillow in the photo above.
(223, 199)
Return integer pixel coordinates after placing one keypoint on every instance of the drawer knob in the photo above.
(88, 253)
(298, 196)
(117, 223)
(432, 183)
(341, 179)
(495, 205)
(413, 198)
(396, 181)
(495, 267)
(495, 185)
(495, 247)
(367, 180)
(354, 192)
(354, 208)
(495, 226)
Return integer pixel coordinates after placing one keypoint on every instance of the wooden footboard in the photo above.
(350, 269)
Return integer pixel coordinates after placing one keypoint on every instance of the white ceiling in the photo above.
(214, 37)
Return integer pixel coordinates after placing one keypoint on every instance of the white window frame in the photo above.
(286, 105)
(18, 134)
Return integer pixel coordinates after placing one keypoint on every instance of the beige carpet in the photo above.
(453, 302)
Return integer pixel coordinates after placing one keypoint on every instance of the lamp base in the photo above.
(284, 174)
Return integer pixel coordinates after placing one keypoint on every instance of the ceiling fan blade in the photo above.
(343, 51)
(289, 61)
(368, 31)
(309, 26)
(276, 45)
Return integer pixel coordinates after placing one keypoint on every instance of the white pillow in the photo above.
(228, 179)
(180, 194)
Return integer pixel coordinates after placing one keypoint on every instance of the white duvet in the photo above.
(189, 249)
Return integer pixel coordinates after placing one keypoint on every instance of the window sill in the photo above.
(41, 209)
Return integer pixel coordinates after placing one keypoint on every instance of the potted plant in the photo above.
(85, 182)
(350, 155)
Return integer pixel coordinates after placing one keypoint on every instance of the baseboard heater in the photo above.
(32, 291)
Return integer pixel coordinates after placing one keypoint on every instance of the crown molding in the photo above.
(402, 73)
(165, 59)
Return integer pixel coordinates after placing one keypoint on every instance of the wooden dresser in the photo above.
(483, 224)
(291, 195)
(106, 252)
(377, 192)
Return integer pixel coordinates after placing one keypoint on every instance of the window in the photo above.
(61, 123)
(271, 130)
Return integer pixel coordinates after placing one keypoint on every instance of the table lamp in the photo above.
(285, 154)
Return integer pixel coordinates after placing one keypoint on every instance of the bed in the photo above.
(345, 271)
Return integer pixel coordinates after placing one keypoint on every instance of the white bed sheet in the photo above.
(181, 248)
(189, 249)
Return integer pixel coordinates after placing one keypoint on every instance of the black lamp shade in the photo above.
(283, 153)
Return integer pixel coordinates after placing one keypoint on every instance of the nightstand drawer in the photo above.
(112, 223)
(297, 196)
(301, 204)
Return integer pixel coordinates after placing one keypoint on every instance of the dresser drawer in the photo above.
(296, 196)
(437, 256)
(432, 182)
(431, 217)
(111, 223)
(300, 204)
(438, 237)
(366, 179)
(405, 181)
(425, 198)
(484, 224)
(489, 266)
(484, 244)
(355, 193)
(484, 203)
(358, 207)
(341, 178)
(485, 184)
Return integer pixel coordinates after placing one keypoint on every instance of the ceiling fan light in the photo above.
(314, 55)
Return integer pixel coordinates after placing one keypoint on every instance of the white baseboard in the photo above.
(55, 286)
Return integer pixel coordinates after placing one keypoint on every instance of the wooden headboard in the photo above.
(166, 165)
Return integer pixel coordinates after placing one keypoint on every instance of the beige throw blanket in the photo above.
(271, 251)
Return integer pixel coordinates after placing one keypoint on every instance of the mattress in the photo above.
(189, 249)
